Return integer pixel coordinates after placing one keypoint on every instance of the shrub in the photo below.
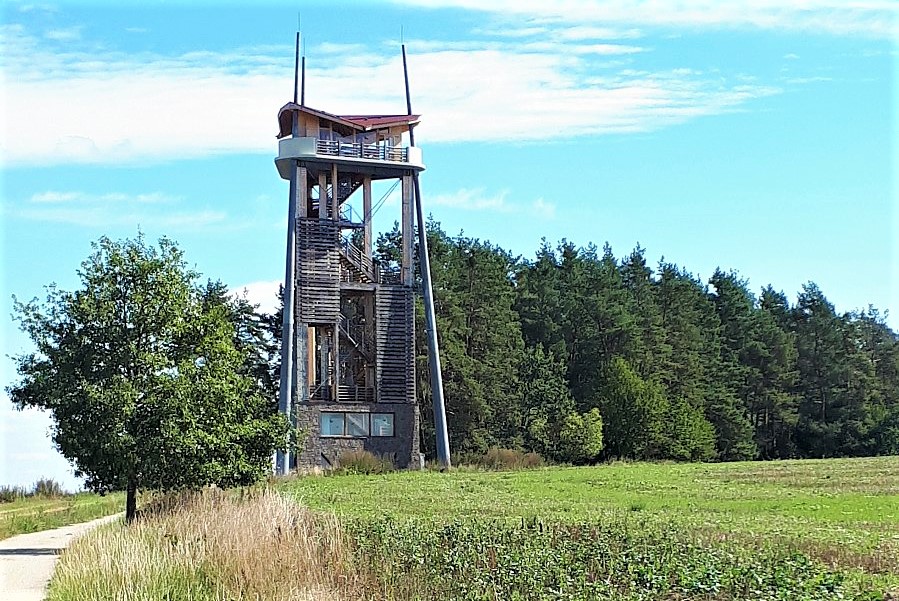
(580, 438)
(497, 458)
(363, 462)
(8, 494)
(48, 487)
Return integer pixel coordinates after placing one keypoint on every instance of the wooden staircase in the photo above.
(394, 309)
(359, 267)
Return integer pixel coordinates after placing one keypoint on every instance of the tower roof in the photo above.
(346, 124)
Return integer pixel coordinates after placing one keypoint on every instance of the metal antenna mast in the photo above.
(296, 67)
(303, 76)
(443, 450)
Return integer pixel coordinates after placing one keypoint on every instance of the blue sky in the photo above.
(757, 136)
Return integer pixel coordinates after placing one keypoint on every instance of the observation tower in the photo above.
(348, 347)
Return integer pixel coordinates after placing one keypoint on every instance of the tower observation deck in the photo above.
(350, 381)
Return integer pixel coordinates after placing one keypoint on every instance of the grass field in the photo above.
(32, 514)
(842, 513)
(794, 530)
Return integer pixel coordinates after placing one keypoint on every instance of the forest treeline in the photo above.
(580, 356)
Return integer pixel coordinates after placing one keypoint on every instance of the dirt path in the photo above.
(27, 560)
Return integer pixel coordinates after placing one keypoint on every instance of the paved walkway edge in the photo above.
(27, 560)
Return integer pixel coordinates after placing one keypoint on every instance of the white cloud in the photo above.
(875, 18)
(53, 196)
(807, 80)
(63, 35)
(263, 293)
(512, 32)
(476, 199)
(541, 208)
(125, 108)
(28, 8)
(471, 200)
(111, 209)
(591, 32)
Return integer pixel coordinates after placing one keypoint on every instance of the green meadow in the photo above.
(811, 530)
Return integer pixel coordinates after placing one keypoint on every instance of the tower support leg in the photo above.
(443, 449)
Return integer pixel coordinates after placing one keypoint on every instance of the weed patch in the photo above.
(363, 462)
(497, 458)
(622, 560)
(210, 546)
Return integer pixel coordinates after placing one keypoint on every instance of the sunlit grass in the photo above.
(211, 546)
(32, 514)
(844, 511)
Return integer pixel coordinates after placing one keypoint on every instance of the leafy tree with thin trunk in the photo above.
(145, 376)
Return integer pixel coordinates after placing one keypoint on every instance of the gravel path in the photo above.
(27, 560)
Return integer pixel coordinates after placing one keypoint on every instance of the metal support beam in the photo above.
(366, 215)
(406, 230)
(285, 393)
(440, 428)
(335, 196)
(322, 195)
(335, 357)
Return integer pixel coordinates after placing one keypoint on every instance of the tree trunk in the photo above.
(131, 501)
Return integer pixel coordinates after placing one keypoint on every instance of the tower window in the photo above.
(356, 424)
(333, 424)
(382, 424)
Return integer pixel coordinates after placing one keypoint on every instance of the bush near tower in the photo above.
(147, 375)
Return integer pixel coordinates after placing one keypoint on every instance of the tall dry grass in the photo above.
(211, 546)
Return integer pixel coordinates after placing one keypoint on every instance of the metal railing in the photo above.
(360, 260)
(357, 150)
(357, 334)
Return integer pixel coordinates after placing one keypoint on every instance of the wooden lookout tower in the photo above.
(348, 341)
(352, 332)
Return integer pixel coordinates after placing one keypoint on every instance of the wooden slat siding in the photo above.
(355, 394)
(318, 271)
(395, 370)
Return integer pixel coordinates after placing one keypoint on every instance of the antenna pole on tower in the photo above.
(303, 77)
(296, 68)
(443, 450)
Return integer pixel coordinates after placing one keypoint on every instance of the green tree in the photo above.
(580, 437)
(547, 421)
(774, 403)
(634, 413)
(650, 348)
(539, 302)
(823, 373)
(257, 336)
(480, 342)
(141, 371)
(879, 345)
(694, 371)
